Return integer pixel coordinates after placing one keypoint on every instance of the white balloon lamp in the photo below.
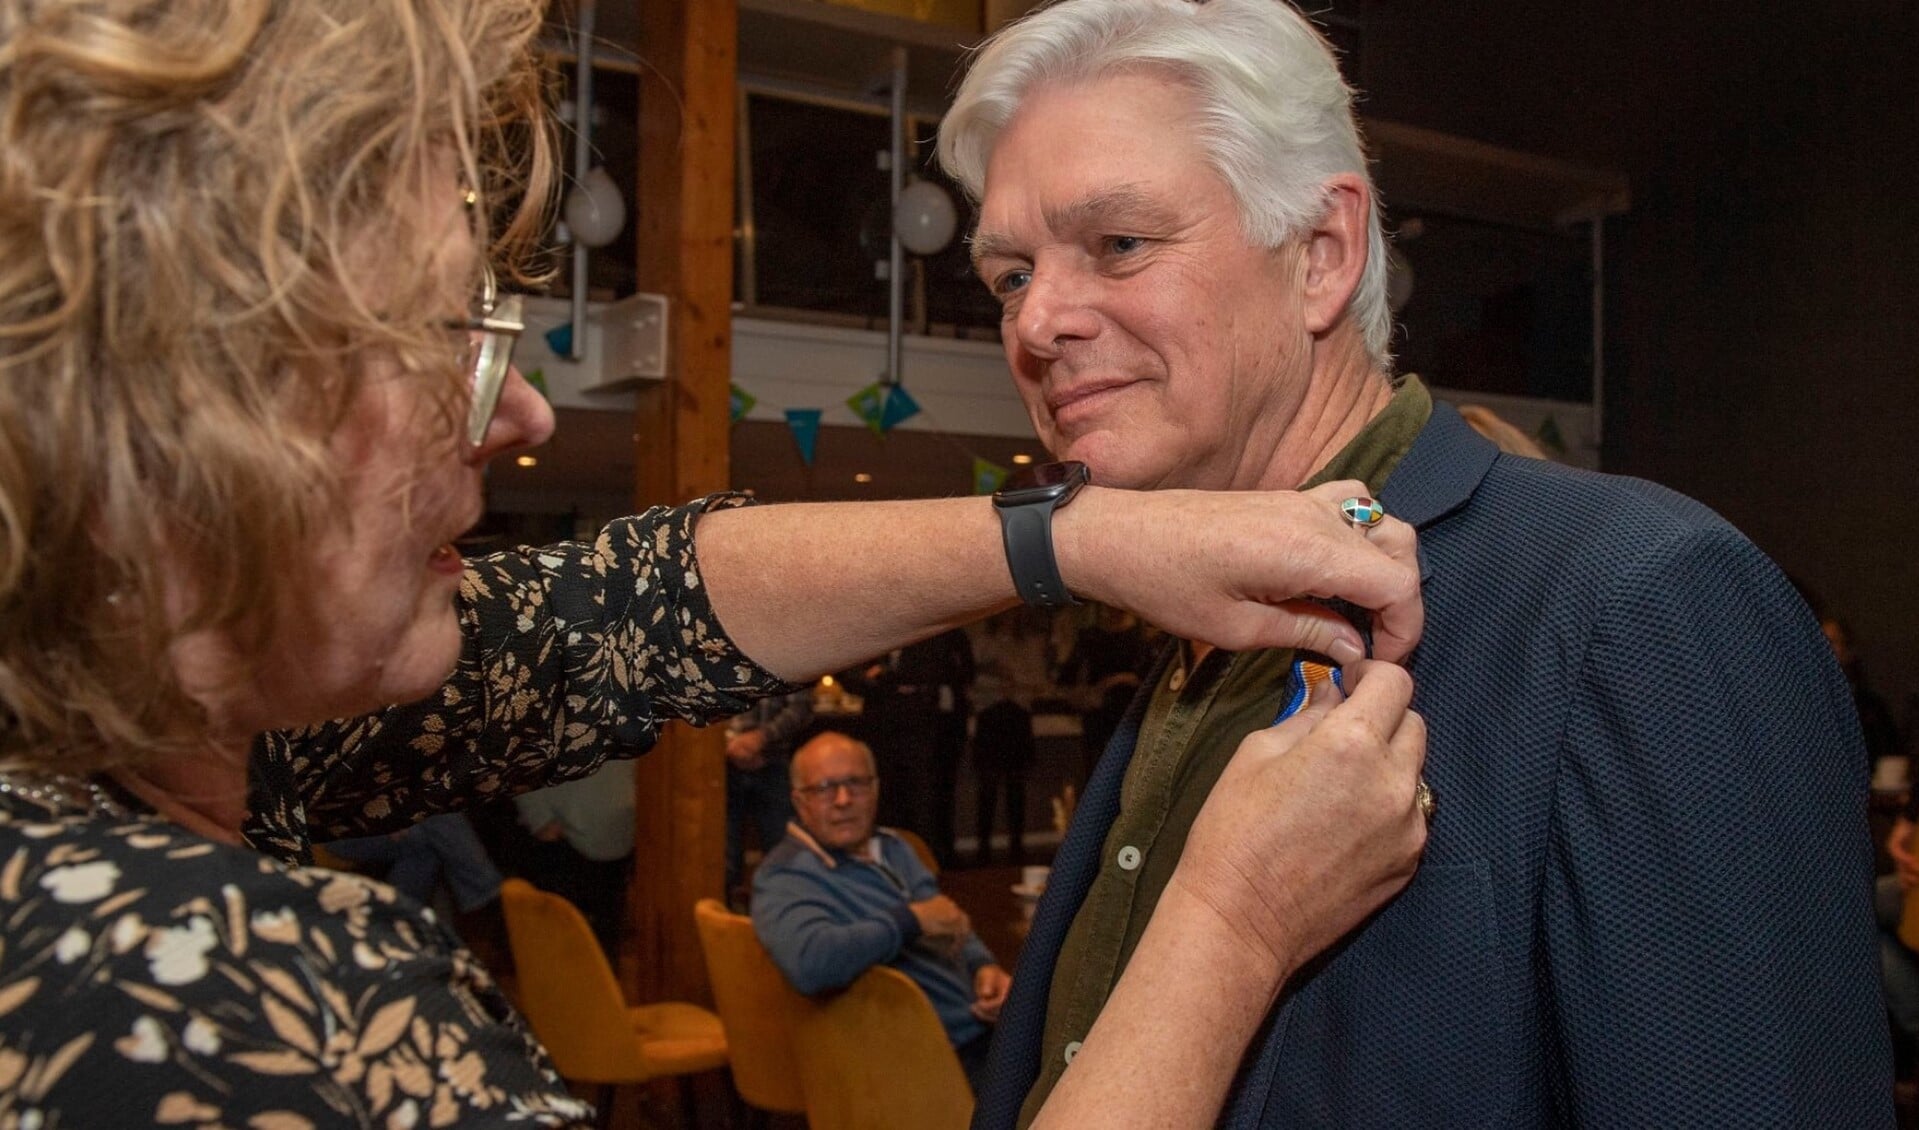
(925, 217)
(595, 211)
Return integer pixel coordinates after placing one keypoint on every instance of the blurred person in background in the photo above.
(582, 845)
(759, 743)
(914, 716)
(1108, 657)
(1505, 435)
(1009, 653)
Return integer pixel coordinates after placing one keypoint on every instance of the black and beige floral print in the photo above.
(152, 977)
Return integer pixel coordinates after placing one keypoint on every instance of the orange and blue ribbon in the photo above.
(1310, 679)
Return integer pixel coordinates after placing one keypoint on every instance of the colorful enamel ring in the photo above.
(1364, 513)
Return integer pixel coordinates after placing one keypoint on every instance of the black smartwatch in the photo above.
(1025, 503)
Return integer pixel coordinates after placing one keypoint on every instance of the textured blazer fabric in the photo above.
(1645, 900)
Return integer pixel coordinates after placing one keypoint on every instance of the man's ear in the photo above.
(1336, 249)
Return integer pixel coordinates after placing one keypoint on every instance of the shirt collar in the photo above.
(868, 851)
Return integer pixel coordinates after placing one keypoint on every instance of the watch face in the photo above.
(1042, 482)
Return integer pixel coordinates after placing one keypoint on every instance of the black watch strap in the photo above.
(1028, 533)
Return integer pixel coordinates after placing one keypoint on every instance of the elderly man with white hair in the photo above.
(1645, 894)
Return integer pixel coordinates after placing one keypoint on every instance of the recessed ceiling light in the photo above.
(527, 461)
(862, 477)
(1022, 459)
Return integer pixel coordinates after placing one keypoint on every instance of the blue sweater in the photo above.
(828, 916)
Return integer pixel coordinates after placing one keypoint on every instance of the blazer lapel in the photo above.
(1438, 475)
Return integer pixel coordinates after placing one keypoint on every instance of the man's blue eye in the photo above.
(1013, 280)
(1126, 243)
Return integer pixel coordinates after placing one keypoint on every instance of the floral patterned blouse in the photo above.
(152, 977)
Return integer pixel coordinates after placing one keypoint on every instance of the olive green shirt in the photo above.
(1198, 715)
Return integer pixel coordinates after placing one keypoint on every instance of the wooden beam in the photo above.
(681, 433)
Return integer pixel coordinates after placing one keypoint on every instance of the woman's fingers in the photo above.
(1378, 570)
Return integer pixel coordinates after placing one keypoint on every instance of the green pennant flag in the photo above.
(869, 404)
(742, 402)
(987, 476)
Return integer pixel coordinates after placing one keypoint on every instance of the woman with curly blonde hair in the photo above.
(254, 358)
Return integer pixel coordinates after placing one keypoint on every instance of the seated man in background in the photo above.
(838, 896)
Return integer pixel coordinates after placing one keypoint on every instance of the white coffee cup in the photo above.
(1034, 878)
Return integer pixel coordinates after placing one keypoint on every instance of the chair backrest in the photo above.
(758, 1009)
(566, 988)
(876, 1058)
(920, 849)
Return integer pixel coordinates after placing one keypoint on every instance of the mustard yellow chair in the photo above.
(876, 1058)
(920, 849)
(758, 1008)
(571, 998)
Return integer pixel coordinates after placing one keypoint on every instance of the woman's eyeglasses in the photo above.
(495, 329)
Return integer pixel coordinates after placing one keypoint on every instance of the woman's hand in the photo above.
(1313, 825)
(1311, 828)
(1229, 568)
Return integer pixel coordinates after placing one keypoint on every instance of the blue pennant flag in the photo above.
(900, 407)
(805, 423)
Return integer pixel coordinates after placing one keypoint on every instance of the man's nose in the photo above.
(1057, 308)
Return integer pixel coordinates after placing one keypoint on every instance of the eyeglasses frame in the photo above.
(500, 323)
(855, 787)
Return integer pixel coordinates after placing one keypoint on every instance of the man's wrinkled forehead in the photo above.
(822, 758)
(1125, 207)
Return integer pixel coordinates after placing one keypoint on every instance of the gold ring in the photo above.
(1423, 797)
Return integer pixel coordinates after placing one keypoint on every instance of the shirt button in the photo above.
(1128, 858)
(1072, 1050)
(1179, 678)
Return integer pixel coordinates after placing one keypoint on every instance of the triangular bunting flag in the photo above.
(805, 423)
(900, 407)
(869, 404)
(987, 476)
(742, 403)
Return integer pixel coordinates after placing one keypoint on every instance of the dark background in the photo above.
(1763, 303)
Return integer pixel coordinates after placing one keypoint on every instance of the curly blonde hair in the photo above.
(188, 189)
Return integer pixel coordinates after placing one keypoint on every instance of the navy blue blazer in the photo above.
(1645, 899)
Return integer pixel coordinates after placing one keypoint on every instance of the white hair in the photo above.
(1276, 118)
